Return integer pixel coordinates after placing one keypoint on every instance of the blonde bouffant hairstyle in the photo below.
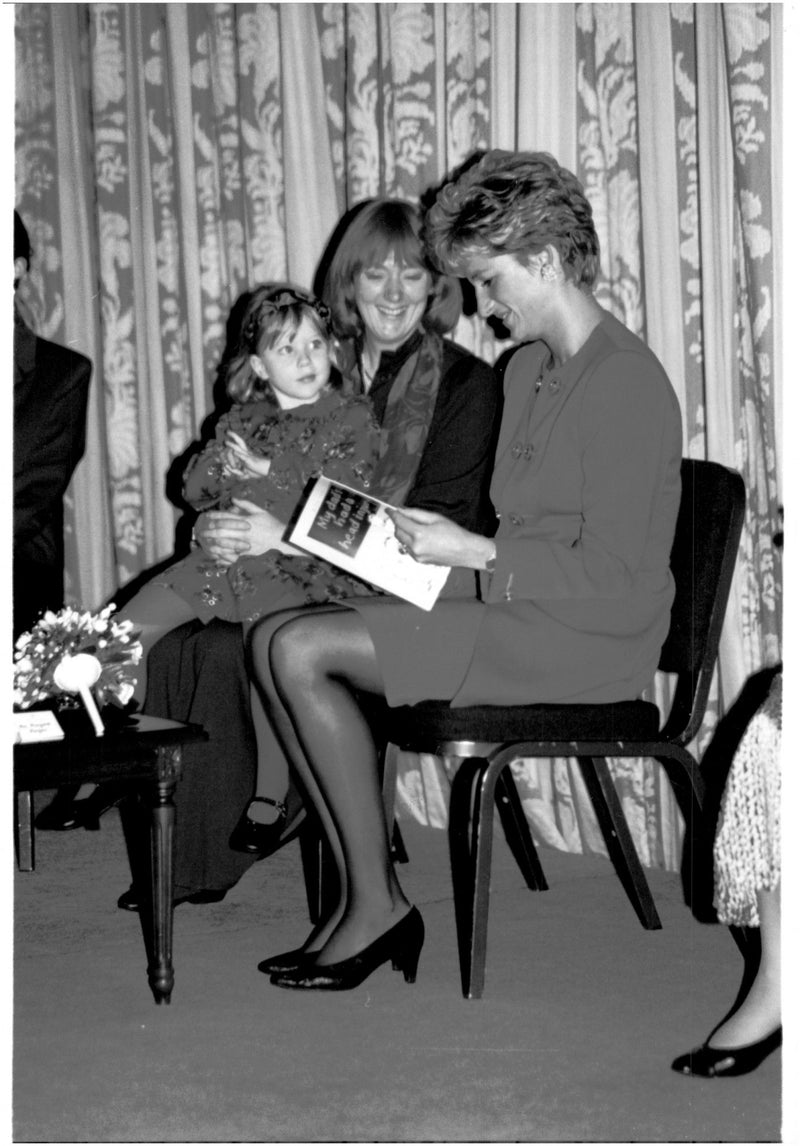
(514, 203)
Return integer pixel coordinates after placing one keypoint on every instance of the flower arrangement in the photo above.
(42, 657)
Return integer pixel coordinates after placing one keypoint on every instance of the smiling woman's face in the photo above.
(391, 299)
(511, 291)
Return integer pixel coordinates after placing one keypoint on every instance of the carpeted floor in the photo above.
(582, 1013)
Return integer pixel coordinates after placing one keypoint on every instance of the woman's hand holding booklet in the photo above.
(356, 532)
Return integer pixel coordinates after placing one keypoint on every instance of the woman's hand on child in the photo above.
(251, 531)
(266, 532)
(222, 535)
(435, 540)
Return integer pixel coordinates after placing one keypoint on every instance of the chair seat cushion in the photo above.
(434, 721)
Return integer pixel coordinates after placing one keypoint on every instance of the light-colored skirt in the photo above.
(747, 848)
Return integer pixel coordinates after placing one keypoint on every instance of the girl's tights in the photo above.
(306, 666)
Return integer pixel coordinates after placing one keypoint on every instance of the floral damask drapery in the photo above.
(168, 156)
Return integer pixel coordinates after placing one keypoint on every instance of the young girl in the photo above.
(289, 422)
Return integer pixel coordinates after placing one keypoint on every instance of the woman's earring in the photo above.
(548, 272)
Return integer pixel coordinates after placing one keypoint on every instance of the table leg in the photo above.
(160, 971)
(26, 855)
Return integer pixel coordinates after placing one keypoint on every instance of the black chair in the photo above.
(490, 738)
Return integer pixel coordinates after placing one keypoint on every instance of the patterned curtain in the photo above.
(168, 156)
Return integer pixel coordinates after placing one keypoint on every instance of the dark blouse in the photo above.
(456, 465)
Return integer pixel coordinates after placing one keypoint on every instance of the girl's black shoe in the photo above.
(60, 814)
(401, 944)
(725, 1062)
(258, 839)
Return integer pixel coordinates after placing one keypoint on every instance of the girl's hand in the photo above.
(242, 460)
(435, 540)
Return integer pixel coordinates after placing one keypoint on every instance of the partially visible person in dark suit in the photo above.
(51, 389)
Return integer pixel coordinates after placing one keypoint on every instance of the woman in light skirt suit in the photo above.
(575, 585)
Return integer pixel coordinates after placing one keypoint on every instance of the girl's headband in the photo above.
(277, 301)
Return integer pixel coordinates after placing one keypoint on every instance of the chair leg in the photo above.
(389, 763)
(398, 848)
(470, 836)
(313, 857)
(26, 854)
(518, 834)
(618, 840)
(688, 782)
(391, 754)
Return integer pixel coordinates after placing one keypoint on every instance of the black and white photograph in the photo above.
(396, 583)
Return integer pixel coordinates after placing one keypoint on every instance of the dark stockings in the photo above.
(306, 666)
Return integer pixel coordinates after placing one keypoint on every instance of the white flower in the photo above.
(124, 691)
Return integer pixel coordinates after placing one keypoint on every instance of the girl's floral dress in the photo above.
(337, 435)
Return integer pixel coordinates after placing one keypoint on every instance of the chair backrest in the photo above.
(703, 558)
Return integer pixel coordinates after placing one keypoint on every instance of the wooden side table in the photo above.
(148, 751)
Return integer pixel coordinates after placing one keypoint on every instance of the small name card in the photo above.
(30, 727)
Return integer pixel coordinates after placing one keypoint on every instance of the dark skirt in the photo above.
(197, 674)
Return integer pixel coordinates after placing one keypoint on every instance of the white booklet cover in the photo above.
(353, 531)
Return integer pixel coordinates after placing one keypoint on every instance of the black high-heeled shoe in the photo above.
(64, 813)
(401, 944)
(287, 961)
(726, 1062)
(255, 838)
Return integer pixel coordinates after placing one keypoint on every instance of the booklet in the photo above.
(353, 531)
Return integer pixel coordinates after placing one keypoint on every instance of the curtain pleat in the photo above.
(312, 209)
(170, 156)
(661, 214)
(547, 93)
(88, 539)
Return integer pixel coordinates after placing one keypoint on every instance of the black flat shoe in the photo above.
(64, 813)
(287, 961)
(401, 944)
(725, 1062)
(130, 900)
(258, 839)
